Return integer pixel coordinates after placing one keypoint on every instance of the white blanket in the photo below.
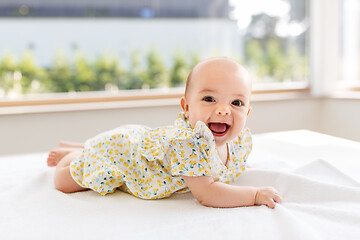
(319, 202)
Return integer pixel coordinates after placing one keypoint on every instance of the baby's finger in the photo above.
(277, 198)
(275, 191)
(270, 204)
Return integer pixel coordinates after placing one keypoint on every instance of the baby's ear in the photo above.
(184, 106)
(248, 111)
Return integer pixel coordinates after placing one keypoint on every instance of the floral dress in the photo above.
(149, 163)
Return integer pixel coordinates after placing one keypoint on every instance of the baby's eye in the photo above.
(209, 99)
(237, 103)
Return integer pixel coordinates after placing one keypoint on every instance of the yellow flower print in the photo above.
(115, 161)
(168, 178)
(181, 167)
(191, 145)
(192, 162)
(192, 156)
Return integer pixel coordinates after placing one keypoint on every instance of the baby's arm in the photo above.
(216, 194)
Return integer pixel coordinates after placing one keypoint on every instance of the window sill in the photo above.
(346, 95)
(132, 100)
(88, 106)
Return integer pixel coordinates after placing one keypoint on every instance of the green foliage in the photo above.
(267, 60)
(21, 78)
(155, 74)
(32, 76)
(7, 69)
(271, 62)
(255, 58)
(83, 74)
(134, 78)
(179, 71)
(60, 74)
(109, 74)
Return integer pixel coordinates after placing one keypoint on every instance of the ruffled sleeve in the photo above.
(242, 146)
(193, 153)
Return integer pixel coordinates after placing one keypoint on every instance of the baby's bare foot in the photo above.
(66, 144)
(56, 155)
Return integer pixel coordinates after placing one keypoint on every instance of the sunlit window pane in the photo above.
(275, 40)
(110, 46)
(350, 43)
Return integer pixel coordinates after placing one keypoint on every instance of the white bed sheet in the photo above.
(317, 175)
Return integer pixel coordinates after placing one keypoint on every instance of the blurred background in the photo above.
(87, 45)
(62, 60)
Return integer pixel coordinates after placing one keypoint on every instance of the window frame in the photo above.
(318, 17)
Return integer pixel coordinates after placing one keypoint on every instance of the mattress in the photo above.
(316, 174)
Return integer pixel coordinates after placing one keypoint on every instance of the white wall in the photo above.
(282, 115)
(22, 133)
(341, 117)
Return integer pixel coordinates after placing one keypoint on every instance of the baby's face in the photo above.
(219, 96)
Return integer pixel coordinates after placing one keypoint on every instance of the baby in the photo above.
(202, 152)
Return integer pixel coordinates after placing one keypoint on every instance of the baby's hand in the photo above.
(267, 196)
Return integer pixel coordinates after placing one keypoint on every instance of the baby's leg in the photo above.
(63, 179)
(56, 155)
(67, 144)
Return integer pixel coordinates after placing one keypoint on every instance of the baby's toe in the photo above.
(51, 159)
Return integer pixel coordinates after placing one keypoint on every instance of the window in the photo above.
(350, 44)
(68, 48)
(274, 36)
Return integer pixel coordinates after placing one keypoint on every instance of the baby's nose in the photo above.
(222, 110)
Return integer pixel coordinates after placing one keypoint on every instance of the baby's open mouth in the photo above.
(219, 129)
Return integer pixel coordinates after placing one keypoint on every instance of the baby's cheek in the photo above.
(193, 120)
(237, 129)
